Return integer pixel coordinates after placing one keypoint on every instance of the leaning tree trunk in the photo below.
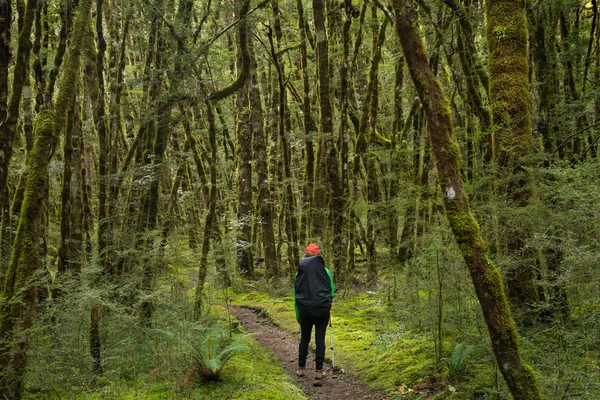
(520, 377)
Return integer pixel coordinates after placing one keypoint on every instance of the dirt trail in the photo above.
(284, 345)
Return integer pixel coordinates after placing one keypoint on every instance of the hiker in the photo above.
(313, 292)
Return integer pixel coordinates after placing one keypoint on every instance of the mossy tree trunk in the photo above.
(19, 297)
(5, 59)
(40, 59)
(111, 145)
(5, 54)
(9, 111)
(511, 112)
(289, 205)
(309, 130)
(340, 239)
(66, 17)
(371, 160)
(98, 90)
(210, 223)
(265, 202)
(245, 262)
(395, 166)
(520, 377)
(70, 251)
(322, 193)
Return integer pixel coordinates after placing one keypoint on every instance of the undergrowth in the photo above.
(141, 362)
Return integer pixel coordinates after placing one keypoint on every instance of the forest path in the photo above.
(336, 386)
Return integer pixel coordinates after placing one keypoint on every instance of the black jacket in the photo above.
(313, 286)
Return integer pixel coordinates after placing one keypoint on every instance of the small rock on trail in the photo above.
(336, 385)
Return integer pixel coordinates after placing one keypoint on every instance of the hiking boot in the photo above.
(320, 374)
(300, 372)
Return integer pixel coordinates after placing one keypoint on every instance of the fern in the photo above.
(215, 349)
(455, 362)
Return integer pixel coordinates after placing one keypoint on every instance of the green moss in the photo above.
(527, 381)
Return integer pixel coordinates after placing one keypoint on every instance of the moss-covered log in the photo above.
(520, 377)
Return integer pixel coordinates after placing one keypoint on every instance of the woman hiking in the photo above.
(313, 292)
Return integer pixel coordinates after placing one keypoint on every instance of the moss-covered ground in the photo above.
(367, 340)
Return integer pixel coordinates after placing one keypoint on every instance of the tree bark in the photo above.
(511, 112)
(265, 203)
(245, 262)
(323, 186)
(211, 216)
(20, 288)
(8, 125)
(309, 130)
(520, 377)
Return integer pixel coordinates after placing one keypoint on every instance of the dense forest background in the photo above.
(159, 158)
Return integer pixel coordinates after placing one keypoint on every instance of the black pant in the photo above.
(306, 324)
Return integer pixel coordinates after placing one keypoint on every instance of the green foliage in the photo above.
(145, 362)
(215, 348)
(456, 362)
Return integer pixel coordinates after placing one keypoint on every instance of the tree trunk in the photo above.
(323, 186)
(8, 125)
(309, 130)
(70, 251)
(211, 216)
(20, 288)
(245, 262)
(289, 208)
(5, 59)
(511, 111)
(340, 236)
(520, 377)
(265, 203)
